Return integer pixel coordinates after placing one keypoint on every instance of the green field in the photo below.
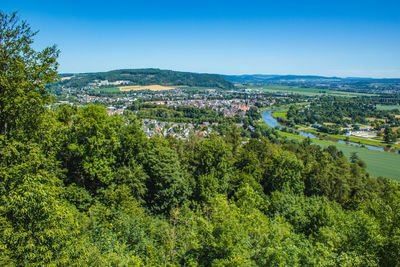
(378, 163)
(280, 113)
(305, 91)
(107, 89)
(388, 107)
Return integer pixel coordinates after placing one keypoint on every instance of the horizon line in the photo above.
(243, 74)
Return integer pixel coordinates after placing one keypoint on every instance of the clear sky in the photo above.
(325, 37)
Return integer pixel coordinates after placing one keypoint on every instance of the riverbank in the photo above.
(378, 163)
(359, 140)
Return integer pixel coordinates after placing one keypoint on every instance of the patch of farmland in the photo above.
(154, 87)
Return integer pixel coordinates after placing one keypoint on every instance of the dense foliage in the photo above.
(340, 111)
(330, 114)
(79, 187)
(151, 76)
(176, 113)
(92, 189)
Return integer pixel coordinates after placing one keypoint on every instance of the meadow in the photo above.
(388, 107)
(107, 89)
(282, 113)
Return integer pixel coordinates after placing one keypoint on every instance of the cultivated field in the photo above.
(374, 119)
(66, 78)
(154, 87)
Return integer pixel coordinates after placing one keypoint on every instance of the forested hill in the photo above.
(150, 76)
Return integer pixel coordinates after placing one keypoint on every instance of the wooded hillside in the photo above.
(152, 76)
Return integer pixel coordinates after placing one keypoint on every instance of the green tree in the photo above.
(90, 151)
(389, 136)
(213, 167)
(284, 173)
(24, 74)
(37, 225)
(167, 186)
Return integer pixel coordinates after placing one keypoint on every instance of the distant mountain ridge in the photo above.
(148, 77)
(261, 78)
(151, 76)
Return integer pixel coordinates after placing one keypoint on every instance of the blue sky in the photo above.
(333, 38)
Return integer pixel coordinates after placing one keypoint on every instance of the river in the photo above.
(272, 122)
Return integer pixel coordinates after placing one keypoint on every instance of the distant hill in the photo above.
(265, 78)
(261, 78)
(148, 77)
